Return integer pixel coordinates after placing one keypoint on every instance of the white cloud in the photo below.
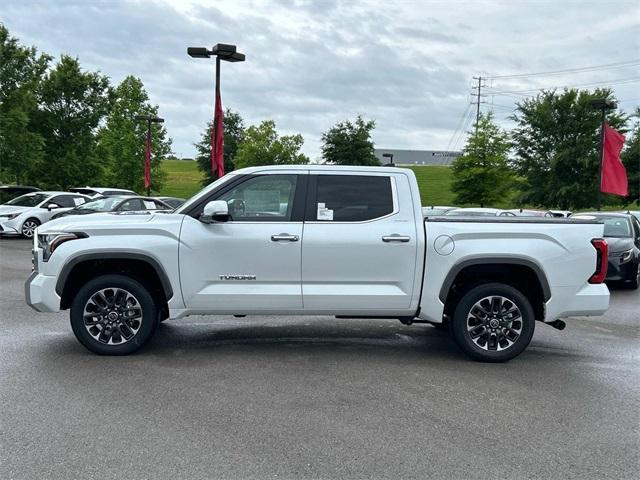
(311, 63)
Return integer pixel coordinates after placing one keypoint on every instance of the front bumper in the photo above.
(617, 271)
(40, 293)
(9, 228)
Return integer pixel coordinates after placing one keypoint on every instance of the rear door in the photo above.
(359, 248)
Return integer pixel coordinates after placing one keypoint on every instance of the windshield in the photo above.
(615, 227)
(434, 211)
(193, 200)
(28, 200)
(101, 205)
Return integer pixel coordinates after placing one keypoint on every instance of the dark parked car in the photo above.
(173, 202)
(116, 204)
(622, 233)
(9, 192)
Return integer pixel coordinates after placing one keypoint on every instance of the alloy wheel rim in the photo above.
(494, 323)
(112, 316)
(29, 228)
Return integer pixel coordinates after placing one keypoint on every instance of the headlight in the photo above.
(49, 242)
(9, 216)
(626, 256)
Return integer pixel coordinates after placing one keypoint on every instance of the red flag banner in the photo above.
(217, 140)
(147, 164)
(614, 175)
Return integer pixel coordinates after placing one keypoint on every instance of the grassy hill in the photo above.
(184, 179)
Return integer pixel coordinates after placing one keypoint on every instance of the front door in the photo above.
(252, 263)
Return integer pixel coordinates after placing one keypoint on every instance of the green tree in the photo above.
(72, 104)
(481, 175)
(631, 160)
(233, 137)
(21, 72)
(263, 146)
(556, 139)
(349, 143)
(122, 139)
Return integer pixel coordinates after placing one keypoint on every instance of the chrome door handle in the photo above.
(396, 238)
(284, 237)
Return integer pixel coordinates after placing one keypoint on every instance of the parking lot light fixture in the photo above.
(222, 51)
(147, 159)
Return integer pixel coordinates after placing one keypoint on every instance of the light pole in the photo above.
(222, 51)
(602, 104)
(388, 155)
(147, 159)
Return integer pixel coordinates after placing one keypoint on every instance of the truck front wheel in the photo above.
(493, 322)
(113, 315)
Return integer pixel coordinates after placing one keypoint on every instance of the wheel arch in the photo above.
(521, 273)
(139, 266)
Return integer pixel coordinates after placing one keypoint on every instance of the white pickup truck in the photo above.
(318, 240)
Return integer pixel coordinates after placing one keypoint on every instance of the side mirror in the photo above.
(52, 206)
(215, 211)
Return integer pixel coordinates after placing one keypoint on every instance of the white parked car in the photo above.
(350, 241)
(479, 212)
(22, 215)
(102, 191)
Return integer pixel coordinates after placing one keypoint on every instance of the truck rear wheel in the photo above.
(113, 315)
(493, 322)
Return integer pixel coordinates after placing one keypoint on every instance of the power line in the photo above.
(618, 81)
(458, 125)
(608, 66)
(464, 130)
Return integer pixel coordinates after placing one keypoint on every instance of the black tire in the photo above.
(93, 335)
(26, 229)
(471, 326)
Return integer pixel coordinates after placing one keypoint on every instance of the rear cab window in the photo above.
(351, 198)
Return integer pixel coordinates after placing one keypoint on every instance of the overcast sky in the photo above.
(407, 64)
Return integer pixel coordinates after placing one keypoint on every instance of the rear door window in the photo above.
(352, 198)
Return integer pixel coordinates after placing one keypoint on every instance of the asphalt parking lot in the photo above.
(314, 397)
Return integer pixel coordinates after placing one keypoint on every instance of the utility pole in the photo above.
(478, 95)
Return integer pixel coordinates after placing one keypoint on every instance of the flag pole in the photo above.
(599, 204)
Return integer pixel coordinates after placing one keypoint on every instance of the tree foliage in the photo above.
(631, 160)
(556, 139)
(233, 136)
(263, 146)
(72, 104)
(481, 176)
(21, 71)
(349, 143)
(122, 140)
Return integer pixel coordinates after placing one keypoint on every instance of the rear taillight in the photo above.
(602, 257)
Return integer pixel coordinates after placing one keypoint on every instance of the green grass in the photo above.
(184, 179)
(435, 184)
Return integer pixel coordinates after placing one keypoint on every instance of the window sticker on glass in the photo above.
(324, 213)
(78, 201)
(149, 205)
